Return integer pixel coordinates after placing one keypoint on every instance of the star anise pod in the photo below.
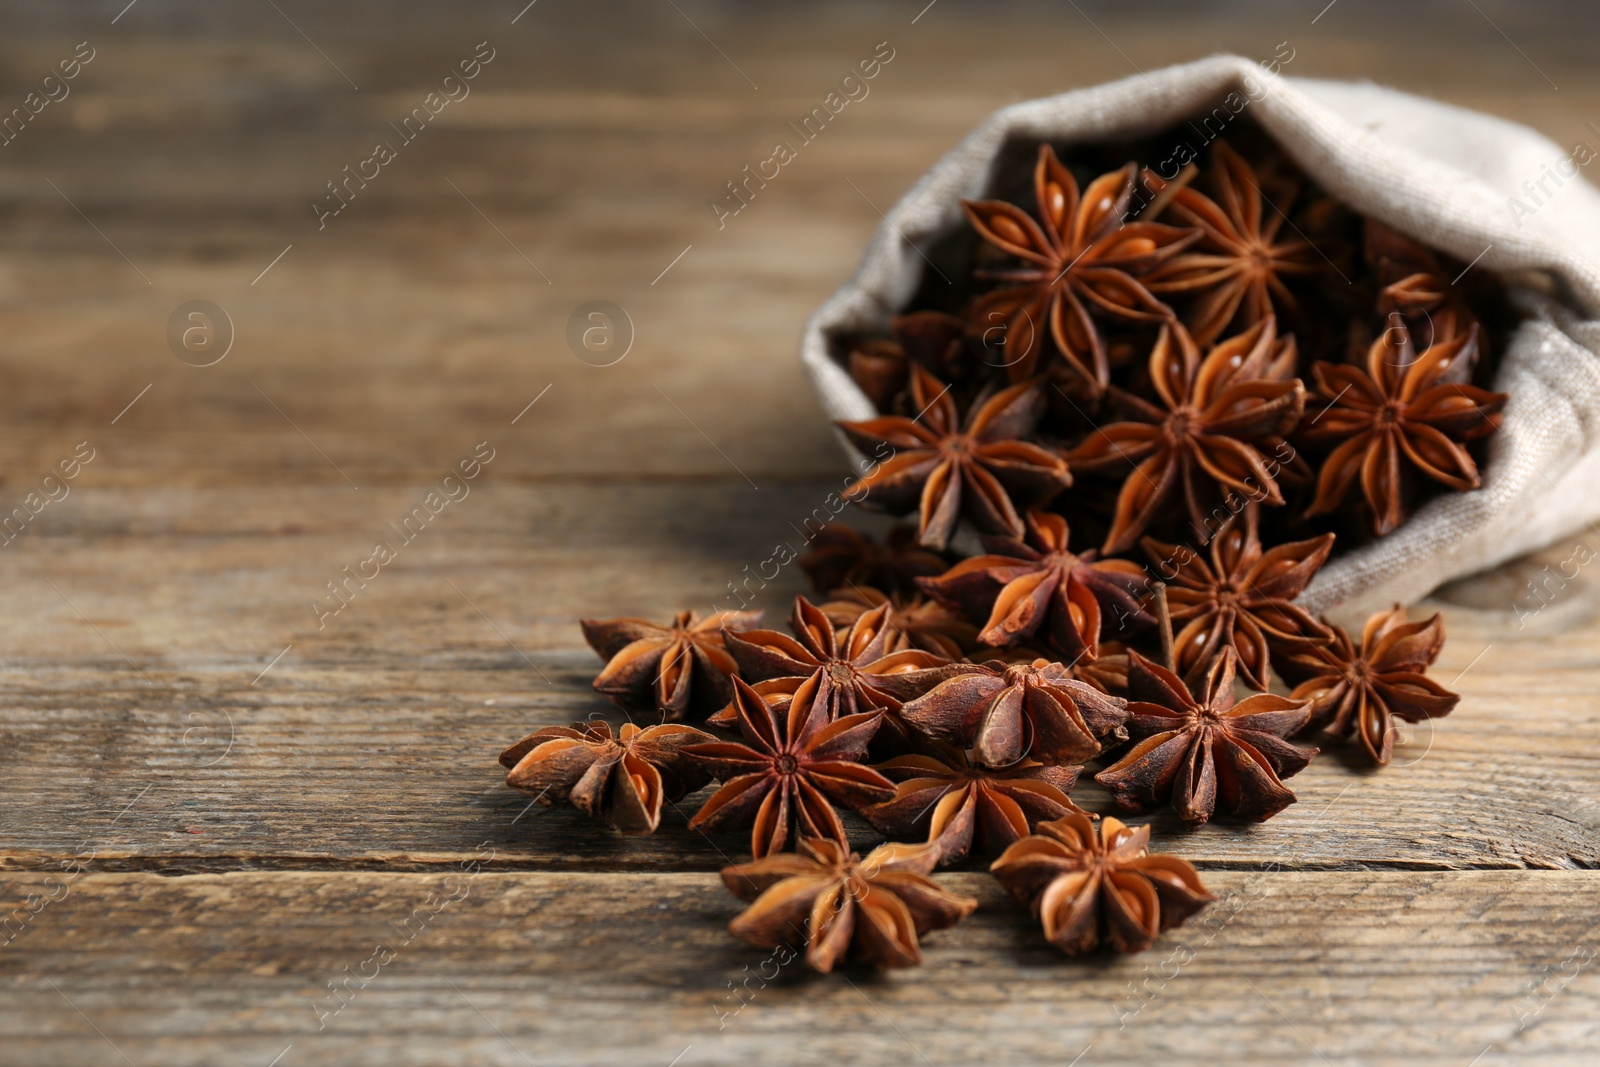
(1415, 286)
(678, 668)
(1107, 672)
(932, 339)
(1039, 589)
(1201, 752)
(621, 779)
(1274, 356)
(1404, 415)
(1236, 269)
(913, 621)
(949, 468)
(1243, 598)
(791, 769)
(1362, 691)
(1271, 355)
(954, 803)
(1202, 439)
(1092, 888)
(842, 556)
(1008, 713)
(1080, 257)
(844, 907)
(855, 672)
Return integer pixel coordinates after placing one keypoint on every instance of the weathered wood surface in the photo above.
(234, 822)
(392, 715)
(1370, 968)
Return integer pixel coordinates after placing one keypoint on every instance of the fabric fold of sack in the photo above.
(1458, 181)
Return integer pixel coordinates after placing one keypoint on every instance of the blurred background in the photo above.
(188, 157)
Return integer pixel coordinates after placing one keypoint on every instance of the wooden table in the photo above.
(222, 804)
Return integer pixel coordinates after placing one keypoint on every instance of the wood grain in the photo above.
(393, 714)
(1370, 968)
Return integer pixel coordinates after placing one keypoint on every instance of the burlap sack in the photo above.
(1451, 178)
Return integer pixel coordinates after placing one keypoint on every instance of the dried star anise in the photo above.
(1107, 672)
(913, 621)
(1414, 287)
(1202, 438)
(1092, 888)
(674, 669)
(1200, 751)
(621, 780)
(1038, 588)
(1406, 414)
(1236, 270)
(855, 672)
(1008, 713)
(784, 779)
(1276, 357)
(955, 804)
(844, 907)
(1242, 599)
(930, 338)
(1363, 691)
(1079, 256)
(1271, 355)
(842, 556)
(947, 468)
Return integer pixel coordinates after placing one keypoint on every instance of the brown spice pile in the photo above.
(1160, 405)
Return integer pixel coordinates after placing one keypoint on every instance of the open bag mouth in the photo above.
(1462, 185)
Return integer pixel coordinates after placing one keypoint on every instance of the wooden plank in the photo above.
(375, 767)
(1345, 968)
(372, 742)
(225, 578)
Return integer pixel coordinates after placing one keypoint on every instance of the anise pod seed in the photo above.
(914, 621)
(956, 804)
(1038, 589)
(947, 467)
(1405, 415)
(1236, 270)
(1200, 751)
(1008, 713)
(1080, 258)
(620, 779)
(872, 910)
(674, 669)
(1362, 691)
(1092, 888)
(1415, 287)
(1201, 439)
(1242, 598)
(932, 339)
(785, 777)
(855, 672)
(841, 556)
